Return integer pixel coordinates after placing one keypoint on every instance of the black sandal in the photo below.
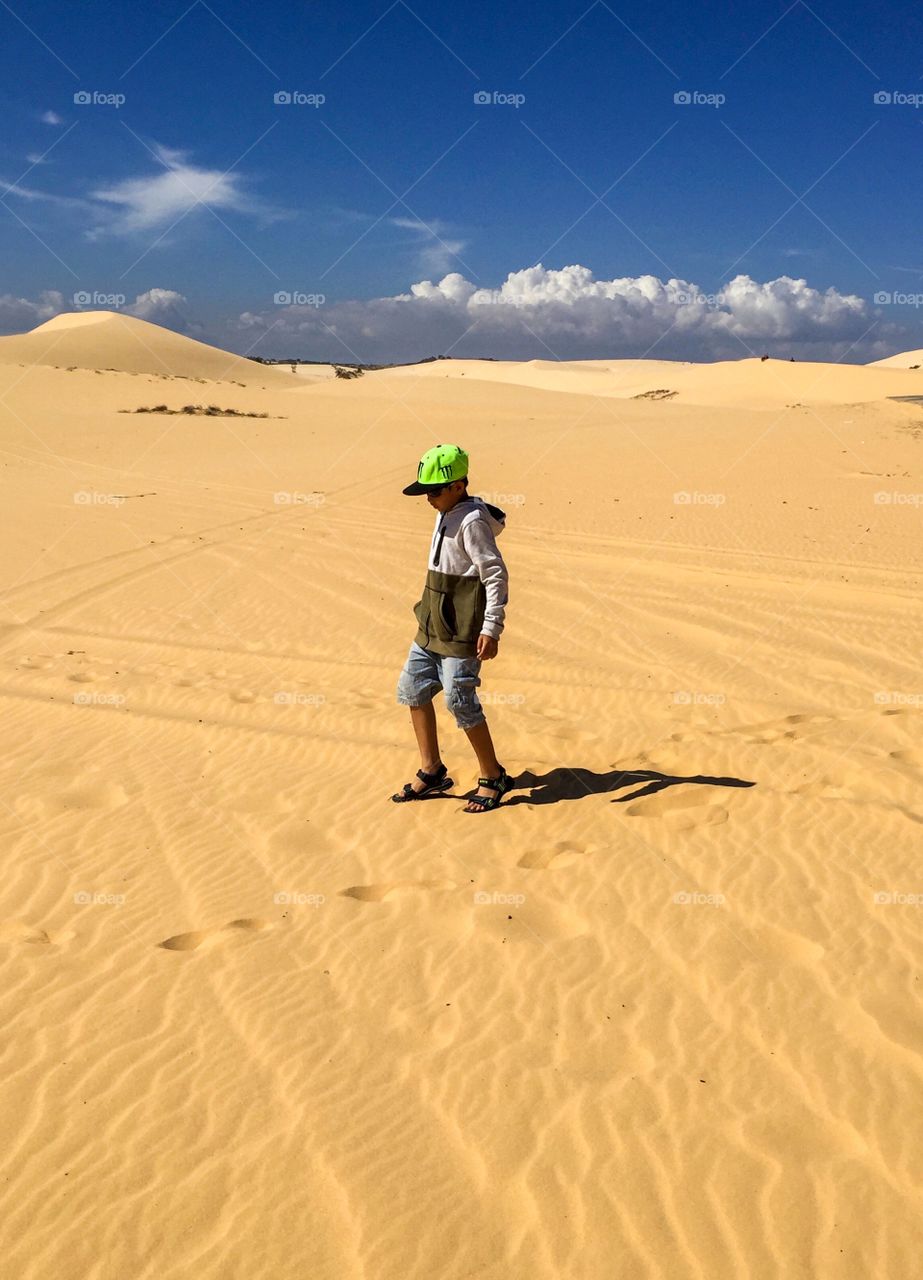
(434, 784)
(500, 785)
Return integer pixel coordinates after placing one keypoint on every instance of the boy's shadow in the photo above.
(573, 784)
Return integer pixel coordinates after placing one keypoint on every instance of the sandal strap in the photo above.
(495, 784)
(430, 778)
(485, 802)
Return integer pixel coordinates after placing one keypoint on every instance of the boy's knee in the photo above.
(414, 693)
(463, 702)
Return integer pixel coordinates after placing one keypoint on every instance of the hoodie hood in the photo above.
(493, 515)
(471, 510)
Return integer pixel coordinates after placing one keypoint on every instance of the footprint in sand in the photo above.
(92, 791)
(378, 892)
(20, 931)
(896, 1022)
(210, 937)
(790, 728)
(680, 810)
(786, 946)
(823, 788)
(560, 854)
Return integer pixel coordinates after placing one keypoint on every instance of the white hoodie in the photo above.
(464, 547)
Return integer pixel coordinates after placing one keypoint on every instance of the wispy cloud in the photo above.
(154, 201)
(51, 117)
(438, 248)
(48, 197)
(179, 187)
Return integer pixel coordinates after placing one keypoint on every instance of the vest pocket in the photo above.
(442, 615)
(421, 612)
(451, 609)
(435, 614)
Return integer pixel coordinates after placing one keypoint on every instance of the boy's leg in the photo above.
(424, 726)
(480, 739)
(418, 683)
(461, 677)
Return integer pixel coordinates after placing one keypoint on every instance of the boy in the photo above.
(460, 618)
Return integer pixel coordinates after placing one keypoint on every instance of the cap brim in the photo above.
(416, 488)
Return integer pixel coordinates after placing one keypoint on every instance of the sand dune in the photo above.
(109, 340)
(657, 1017)
(903, 360)
(751, 383)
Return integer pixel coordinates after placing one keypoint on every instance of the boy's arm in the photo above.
(481, 547)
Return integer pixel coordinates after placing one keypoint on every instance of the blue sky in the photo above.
(200, 199)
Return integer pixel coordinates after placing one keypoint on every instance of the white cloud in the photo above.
(537, 313)
(161, 306)
(51, 117)
(20, 314)
(176, 189)
(156, 200)
(437, 248)
(165, 307)
(568, 314)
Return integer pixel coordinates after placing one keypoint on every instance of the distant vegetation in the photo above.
(206, 410)
(359, 367)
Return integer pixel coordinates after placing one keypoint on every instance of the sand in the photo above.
(659, 1016)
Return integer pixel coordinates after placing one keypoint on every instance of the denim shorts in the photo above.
(426, 673)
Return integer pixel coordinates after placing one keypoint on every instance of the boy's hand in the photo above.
(487, 647)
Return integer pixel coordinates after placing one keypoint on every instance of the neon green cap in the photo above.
(440, 465)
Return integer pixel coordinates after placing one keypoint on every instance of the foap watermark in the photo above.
(483, 298)
(884, 498)
(90, 498)
(93, 698)
(694, 898)
(695, 298)
(292, 498)
(896, 698)
(696, 698)
(110, 301)
(287, 898)
(685, 498)
(95, 98)
(696, 98)
(894, 298)
(298, 298)
(86, 898)
(495, 899)
(897, 898)
(294, 698)
(505, 499)
(897, 98)
(497, 98)
(503, 699)
(297, 98)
